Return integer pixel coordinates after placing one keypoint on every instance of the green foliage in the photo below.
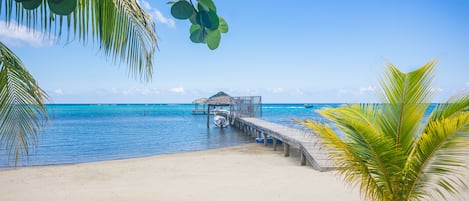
(62, 7)
(31, 4)
(223, 27)
(21, 106)
(121, 28)
(59, 7)
(182, 10)
(213, 39)
(389, 150)
(206, 26)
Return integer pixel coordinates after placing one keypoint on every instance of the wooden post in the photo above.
(208, 116)
(265, 139)
(303, 158)
(274, 141)
(286, 149)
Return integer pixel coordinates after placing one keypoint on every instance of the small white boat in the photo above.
(220, 118)
(220, 121)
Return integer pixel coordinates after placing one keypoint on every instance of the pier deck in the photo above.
(307, 143)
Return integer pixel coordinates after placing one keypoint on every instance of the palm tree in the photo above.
(390, 150)
(122, 29)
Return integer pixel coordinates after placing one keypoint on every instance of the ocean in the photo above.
(80, 133)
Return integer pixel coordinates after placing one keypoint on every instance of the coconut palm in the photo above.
(123, 31)
(390, 150)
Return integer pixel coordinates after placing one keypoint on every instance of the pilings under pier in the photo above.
(308, 144)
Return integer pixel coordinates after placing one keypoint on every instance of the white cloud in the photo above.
(157, 15)
(129, 91)
(162, 19)
(367, 89)
(276, 90)
(18, 36)
(296, 92)
(59, 92)
(177, 90)
(114, 90)
(436, 89)
(148, 91)
(343, 92)
(467, 83)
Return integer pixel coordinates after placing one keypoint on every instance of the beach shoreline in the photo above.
(244, 172)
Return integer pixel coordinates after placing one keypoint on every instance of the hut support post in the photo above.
(208, 116)
(265, 139)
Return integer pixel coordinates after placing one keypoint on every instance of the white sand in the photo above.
(248, 172)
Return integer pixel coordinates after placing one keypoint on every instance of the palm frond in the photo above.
(454, 105)
(370, 148)
(121, 28)
(387, 149)
(406, 97)
(438, 156)
(351, 166)
(21, 106)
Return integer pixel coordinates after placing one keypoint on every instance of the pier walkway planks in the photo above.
(307, 143)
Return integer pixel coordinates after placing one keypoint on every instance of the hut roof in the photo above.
(200, 101)
(221, 98)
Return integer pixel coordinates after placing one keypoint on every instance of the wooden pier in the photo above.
(310, 149)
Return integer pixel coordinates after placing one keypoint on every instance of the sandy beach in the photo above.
(247, 172)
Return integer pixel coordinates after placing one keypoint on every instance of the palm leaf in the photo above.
(439, 151)
(21, 106)
(121, 28)
(453, 106)
(406, 97)
(389, 151)
(351, 166)
(370, 152)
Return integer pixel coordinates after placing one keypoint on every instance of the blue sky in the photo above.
(304, 51)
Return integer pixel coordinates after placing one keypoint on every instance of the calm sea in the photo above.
(86, 133)
(89, 132)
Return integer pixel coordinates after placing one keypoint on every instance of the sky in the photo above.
(304, 51)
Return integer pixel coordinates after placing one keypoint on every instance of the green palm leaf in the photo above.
(21, 106)
(375, 149)
(121, 28)
(406, 97)
(439, 154)
(390, 150)
(351, 165)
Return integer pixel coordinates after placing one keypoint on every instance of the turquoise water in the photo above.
(86, 133)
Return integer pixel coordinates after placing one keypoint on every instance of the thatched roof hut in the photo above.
(200, 101)
(220, 99)
(197, 103)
